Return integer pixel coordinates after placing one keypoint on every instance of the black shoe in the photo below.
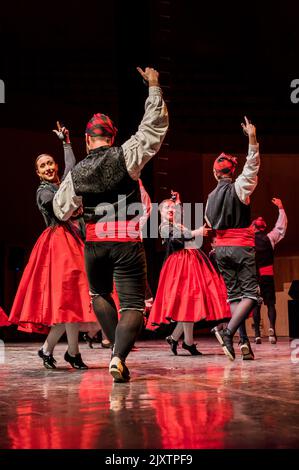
(88, 340)
(119, 370)
(226, 340)
(75, 361)
(272, 336)
(49, 361)
(245, 348)
(173, 344)
(192, 349)
(106, 344)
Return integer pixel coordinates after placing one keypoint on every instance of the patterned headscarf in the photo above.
(225, 164)
(259, 224)
(101, 125)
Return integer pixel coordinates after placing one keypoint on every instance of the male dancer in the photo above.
(228, 212)
(264, 247)
(108, 177)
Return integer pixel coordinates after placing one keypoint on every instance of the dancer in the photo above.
(228, 212)
(53, 291)
(107, 181)
(94, 329)
(189, 288)
(264, 247)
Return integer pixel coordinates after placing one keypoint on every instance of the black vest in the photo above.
(264, 253)
(225, 210)
(47, 213)
(101, 178)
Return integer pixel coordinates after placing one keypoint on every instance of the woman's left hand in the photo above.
(62, 133)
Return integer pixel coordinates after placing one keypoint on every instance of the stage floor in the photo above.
(182, 402)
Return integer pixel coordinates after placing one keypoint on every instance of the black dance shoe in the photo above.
(245, 348)
(119, 370)
(49, 361)
(173, 344)
(105, 343)
(88, 340)
(225, 338)
(192, 349)
(75, 361)
(272, 336)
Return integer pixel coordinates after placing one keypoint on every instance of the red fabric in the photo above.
(235, 237)
(123, 231)
(54, 287)
(189, 290)
(3, 318)
(266, 271)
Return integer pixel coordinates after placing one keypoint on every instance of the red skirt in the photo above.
(189, 290)
(3, 318)
(54, 286)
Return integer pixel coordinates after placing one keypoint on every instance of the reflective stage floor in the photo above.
(172, 402)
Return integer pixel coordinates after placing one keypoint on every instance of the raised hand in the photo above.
(249, 130)
(150, 75)
(175, 196)
(62, 133)
(277, 202)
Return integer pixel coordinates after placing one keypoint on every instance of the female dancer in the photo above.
(53, 291)
(189, 288)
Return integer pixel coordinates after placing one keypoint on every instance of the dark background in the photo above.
(218, 61)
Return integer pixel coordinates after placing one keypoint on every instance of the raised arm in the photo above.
(246, 182)
(175, 230)
(279, 231)
(143, 145)
(69, 157)
(66, 203)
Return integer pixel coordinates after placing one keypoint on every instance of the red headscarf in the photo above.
(225, 164)
(100, 125)
(259, 224)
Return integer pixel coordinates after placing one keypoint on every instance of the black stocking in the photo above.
(105, 310)
(242, 330)
(240, 311)
(257, 320)
(272, 316)
(242, 327)
(127, 330)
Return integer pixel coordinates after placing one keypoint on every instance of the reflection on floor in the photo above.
(183, 402)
